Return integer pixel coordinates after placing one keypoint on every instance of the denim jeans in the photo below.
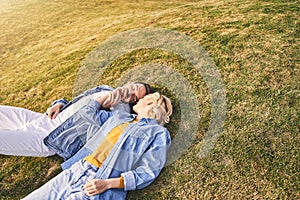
(66, 185)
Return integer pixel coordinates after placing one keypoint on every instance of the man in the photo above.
(22, 132)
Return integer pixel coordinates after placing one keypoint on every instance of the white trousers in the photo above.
(22, 132)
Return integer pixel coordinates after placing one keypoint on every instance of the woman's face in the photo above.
(143, 105)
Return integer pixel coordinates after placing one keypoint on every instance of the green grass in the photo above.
(255, 45)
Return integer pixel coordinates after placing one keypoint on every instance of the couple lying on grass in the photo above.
(107, 151)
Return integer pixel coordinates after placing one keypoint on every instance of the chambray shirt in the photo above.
(100, 88)
(67, 103)
(71, 135)
(139, 154)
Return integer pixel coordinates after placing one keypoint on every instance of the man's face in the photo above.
(138, 94)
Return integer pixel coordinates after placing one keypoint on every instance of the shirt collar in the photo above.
(124, 116)
(148, 121)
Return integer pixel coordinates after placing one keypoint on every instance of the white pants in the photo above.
(22, 132)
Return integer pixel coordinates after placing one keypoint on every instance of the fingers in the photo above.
(103, 99)
(55, 114)
(52, 112)
(49, 112)
(90, 188)
(95, 187)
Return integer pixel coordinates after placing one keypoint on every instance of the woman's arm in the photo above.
(149, 166)
(146, 171)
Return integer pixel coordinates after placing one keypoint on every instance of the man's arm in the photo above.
(60, 104)
(102, 99)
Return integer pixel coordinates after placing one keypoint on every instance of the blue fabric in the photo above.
(80, 154)
(68, 185)
(71, 135)
(66, 103)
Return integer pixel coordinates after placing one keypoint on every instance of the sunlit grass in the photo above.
(255, 45)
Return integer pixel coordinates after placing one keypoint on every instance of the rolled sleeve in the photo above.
(61, 101)
(129, 181)
(93, 103)
(150, 164)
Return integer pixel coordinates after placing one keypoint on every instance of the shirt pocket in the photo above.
(136, 143)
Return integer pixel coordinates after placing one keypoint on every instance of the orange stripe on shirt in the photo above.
(103, 150)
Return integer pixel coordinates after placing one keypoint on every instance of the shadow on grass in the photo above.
(21, 175)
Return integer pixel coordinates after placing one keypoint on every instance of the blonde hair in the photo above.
(121, 94)
(162, 108)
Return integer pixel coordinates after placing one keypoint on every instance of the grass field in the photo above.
(255, 45)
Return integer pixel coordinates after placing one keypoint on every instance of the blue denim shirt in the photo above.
(71, 135)
(66, 103)
(139, 154)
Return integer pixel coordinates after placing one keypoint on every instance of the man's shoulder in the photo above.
(103, 87)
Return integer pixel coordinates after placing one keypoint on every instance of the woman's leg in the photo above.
(66, 185)
(54, 189)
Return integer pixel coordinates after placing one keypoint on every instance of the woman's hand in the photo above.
(53, 111)
(96, 186)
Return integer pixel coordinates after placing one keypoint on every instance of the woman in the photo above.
(22, 131)
(127, 153)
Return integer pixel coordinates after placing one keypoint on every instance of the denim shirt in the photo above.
(66, 103)
(71, 135)
(139, 154)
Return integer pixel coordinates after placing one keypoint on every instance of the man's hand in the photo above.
(53, 111)
(96, 186)
(105, 100)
